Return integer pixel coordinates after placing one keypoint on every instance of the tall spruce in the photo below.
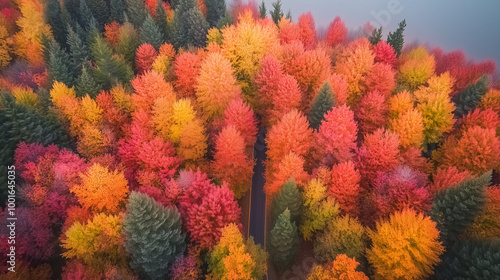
(60, 66)
(128, 42)
(78, 49)
(189, 27)
(262, 10)
(283, 242)
(215, 11)
(277, 12)
(72, 7)
(161, 20)
(116, 11)
(470, 259)
(289, 198)
(468, 99)
(53, 17)
(110, 69)
(396, 39)
(85, 15)
(376, 36)
(153, 236)
(100, 11)
(85, 84)
(136, 12)
(151, 34)
(455, 208)
(323, 103)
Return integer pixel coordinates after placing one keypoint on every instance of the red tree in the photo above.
(242, 117)
(379, 153)
(446, 178)
(231, 164)
(381, 78)
(337, 133)
(186, 68)
(336, 33)
(307, 30)
(344, 187)
(145, 55)
(399, 189)
(384, 53)
(207, 219)
(371, 112)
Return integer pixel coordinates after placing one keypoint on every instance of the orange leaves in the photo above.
(405, 247)
(231, 164)
(150, 86)
(353, 64)
(476, 150)
(101, 190)
(216, 85)
(290, 134)
(371, 112)
(291, 166)
(342, 268)
(409, 126)
(186, 68)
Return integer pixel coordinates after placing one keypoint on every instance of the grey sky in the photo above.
(473, 26)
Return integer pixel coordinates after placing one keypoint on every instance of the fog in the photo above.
(473, 26)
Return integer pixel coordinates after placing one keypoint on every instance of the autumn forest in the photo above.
(129, 133)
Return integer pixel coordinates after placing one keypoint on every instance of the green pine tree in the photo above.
(277, 12)
(54, 18)
(226, 20)
(198, 28)
(189, 27)
(161, 20)
(151, 34)
(216, 9)
(468, 99)
(283, 242)
(153, 236)
(376, 36)
(396, 39)
(455, 208)
(289, 197)
(77, 48)
(470, 260)
(100, 11)
(323, 103)
(128, 42)
(136, 12)
(289, 15)
(19, 123)
(110, 69)
(262, 10)
(117, 11)
(85, 15)
(60, 67)
(72, 7)
(85, 84)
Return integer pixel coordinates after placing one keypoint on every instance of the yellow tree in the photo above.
(416, 68)
(216, 85)
(405, 247)
(434, 103)
(32, 26)
(319, 208)
(409, 126)
(232, 259)
(245, 45)
(97, 242)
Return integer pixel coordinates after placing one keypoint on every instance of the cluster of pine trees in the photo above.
(131, 124)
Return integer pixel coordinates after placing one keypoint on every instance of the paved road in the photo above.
(258, 201)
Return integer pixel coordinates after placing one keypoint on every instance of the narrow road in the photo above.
(258, 197)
